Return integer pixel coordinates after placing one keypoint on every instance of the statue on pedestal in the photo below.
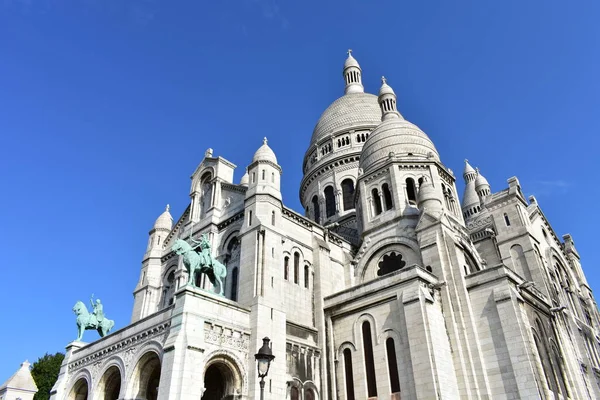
(95, 320)
(198, 258)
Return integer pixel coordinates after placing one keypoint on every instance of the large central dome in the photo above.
(353, 110)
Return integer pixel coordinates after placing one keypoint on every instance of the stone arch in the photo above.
(368, 266)
(81, 387)
(227, 369)
(145, 375)
(294, 389)
(357, 328)
(110, 384)
(390, 333)
(344, 346)
(519, 262)
(310, 386)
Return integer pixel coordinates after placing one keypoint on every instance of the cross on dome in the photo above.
(265, 140)
(383, 80)
(349, 52)
(167, 208)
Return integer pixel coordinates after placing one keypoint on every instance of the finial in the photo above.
(208, 153)
(383, 80)
(265, 140)
(466, 161)
(167, 208)
(349, 52)
(477, 170)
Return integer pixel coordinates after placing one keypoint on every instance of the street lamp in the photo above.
(263, 361)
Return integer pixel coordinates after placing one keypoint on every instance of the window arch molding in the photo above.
(310, 385)
(345, 345)
(401, 244)
(201, 177)
(230, 236)
(357, 329)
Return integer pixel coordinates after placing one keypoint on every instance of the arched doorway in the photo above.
(146, 377)
(80, 390)
(221, 382)
(110, 384)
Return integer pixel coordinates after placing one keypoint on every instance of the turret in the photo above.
(387, 101)
(471, 204)
(429, 199)
(147, 292)
(482, 187)
(353, 75)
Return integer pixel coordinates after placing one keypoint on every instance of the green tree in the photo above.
(45, 372)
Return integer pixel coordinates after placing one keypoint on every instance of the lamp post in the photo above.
(263, 361)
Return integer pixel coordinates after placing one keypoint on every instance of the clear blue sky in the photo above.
(107, 107)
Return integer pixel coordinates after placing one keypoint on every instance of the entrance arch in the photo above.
(146, 377)
(109, 386)
(222, 380)
(80, 390)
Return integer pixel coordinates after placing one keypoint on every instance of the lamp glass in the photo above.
(263, 367)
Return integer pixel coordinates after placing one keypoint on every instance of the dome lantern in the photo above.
(387, 101)
(353, 75)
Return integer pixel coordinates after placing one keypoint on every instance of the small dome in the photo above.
(385, 89)
(396, 138)
(245, 179)
(351, 61)
(165, 220)
(264, 153)
(480, 180)
(468, 169)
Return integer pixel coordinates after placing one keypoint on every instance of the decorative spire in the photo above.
(353, 75)
(481, 185)
(387, 101)
(167, 208)
(469, 174)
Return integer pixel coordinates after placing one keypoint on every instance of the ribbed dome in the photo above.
(164, 221)
(352, 110)
(264, 153)
(397, 136)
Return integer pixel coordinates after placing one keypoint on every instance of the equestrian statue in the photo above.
(198, 258)
(95, 320)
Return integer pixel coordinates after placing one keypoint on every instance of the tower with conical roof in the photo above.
(147, 293)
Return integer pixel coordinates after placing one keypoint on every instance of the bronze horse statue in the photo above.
(201, 262)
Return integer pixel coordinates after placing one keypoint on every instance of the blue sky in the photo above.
(107, 107)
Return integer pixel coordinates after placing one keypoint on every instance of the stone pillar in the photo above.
(63, 375)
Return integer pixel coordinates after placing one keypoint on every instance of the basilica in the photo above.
(387, 285)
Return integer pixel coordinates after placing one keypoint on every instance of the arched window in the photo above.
(506, 220)
(286, 268)
(329, 202)
(294, 393)
(296, 267)
(348, 194)
(306, 276)
(272, 217)
(309, 394)
(315, 202)
(390, 348)
(376, 202)
(348, 375)
(369, 360)
(387, 196)
(411, 192)
(234, 284)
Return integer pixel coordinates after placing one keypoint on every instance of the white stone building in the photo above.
(388, 287)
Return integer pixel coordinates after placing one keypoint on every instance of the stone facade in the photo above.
(386, 288)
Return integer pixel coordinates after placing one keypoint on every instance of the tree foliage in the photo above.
(45, 372)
